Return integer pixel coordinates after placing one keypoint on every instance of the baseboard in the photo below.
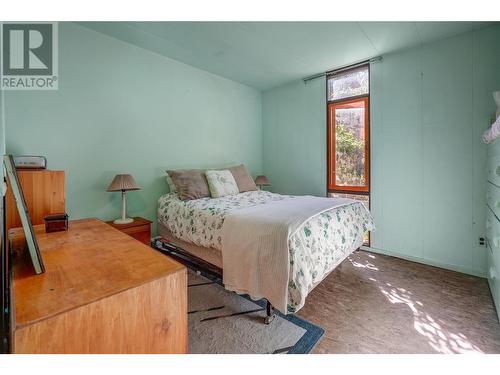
(428, 262)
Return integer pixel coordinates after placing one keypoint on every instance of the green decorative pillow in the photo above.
(221, 183)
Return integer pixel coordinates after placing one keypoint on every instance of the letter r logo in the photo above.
(27, 49)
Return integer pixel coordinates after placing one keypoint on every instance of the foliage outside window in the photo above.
(349, 148)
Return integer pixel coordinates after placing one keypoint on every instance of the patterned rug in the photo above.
(224, 322)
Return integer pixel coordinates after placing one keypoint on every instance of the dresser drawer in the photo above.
(493, 171)
(494, 148)
(493, 275)
(493, 258)
(142, 233)
(494, 263)
(493, 198)
(492, 230)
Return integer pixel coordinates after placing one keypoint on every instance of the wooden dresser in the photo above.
(102, 292)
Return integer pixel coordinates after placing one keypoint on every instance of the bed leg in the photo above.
(269, 313)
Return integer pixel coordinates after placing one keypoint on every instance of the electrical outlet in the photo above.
(482, 241)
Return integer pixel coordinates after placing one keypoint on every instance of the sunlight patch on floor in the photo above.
(441, 340)
(360, 265)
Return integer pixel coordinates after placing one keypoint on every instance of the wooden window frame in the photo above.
(331, 107)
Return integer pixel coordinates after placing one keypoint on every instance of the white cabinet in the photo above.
(493, 220)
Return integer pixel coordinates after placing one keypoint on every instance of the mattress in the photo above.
(319, 245)
(208, 254)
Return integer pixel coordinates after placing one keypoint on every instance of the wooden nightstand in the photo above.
(140, 229)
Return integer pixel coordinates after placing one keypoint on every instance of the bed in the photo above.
(214, 230)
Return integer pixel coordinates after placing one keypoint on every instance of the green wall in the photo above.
(120, 108)
(294, 122)
(429, 107)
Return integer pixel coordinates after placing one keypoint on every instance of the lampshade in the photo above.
(123, 182)
(262, 180)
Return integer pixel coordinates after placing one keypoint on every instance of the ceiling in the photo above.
(268, 54)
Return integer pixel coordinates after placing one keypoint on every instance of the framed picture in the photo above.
(5, 317)
(17, 192)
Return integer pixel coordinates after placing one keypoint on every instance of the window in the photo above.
(349, 83)
(348, 151)
(348, 129)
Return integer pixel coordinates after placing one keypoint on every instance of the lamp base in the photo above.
(127, 220)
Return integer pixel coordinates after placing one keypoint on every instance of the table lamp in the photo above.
(123, 183)
(262, 181)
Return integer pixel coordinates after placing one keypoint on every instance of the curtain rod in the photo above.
(340, 69)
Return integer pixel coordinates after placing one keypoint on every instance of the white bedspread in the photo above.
(255, 245)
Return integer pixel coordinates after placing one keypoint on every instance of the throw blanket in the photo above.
(255, 253)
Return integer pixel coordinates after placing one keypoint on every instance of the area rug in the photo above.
(224, 322)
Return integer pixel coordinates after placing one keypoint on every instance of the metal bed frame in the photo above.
(200, 266)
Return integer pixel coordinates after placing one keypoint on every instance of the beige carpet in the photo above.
(378, 304)
(222, 322)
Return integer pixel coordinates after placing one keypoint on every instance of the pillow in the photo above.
(221, 183)
(170, 184)
(190, 183)
(243, 179)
